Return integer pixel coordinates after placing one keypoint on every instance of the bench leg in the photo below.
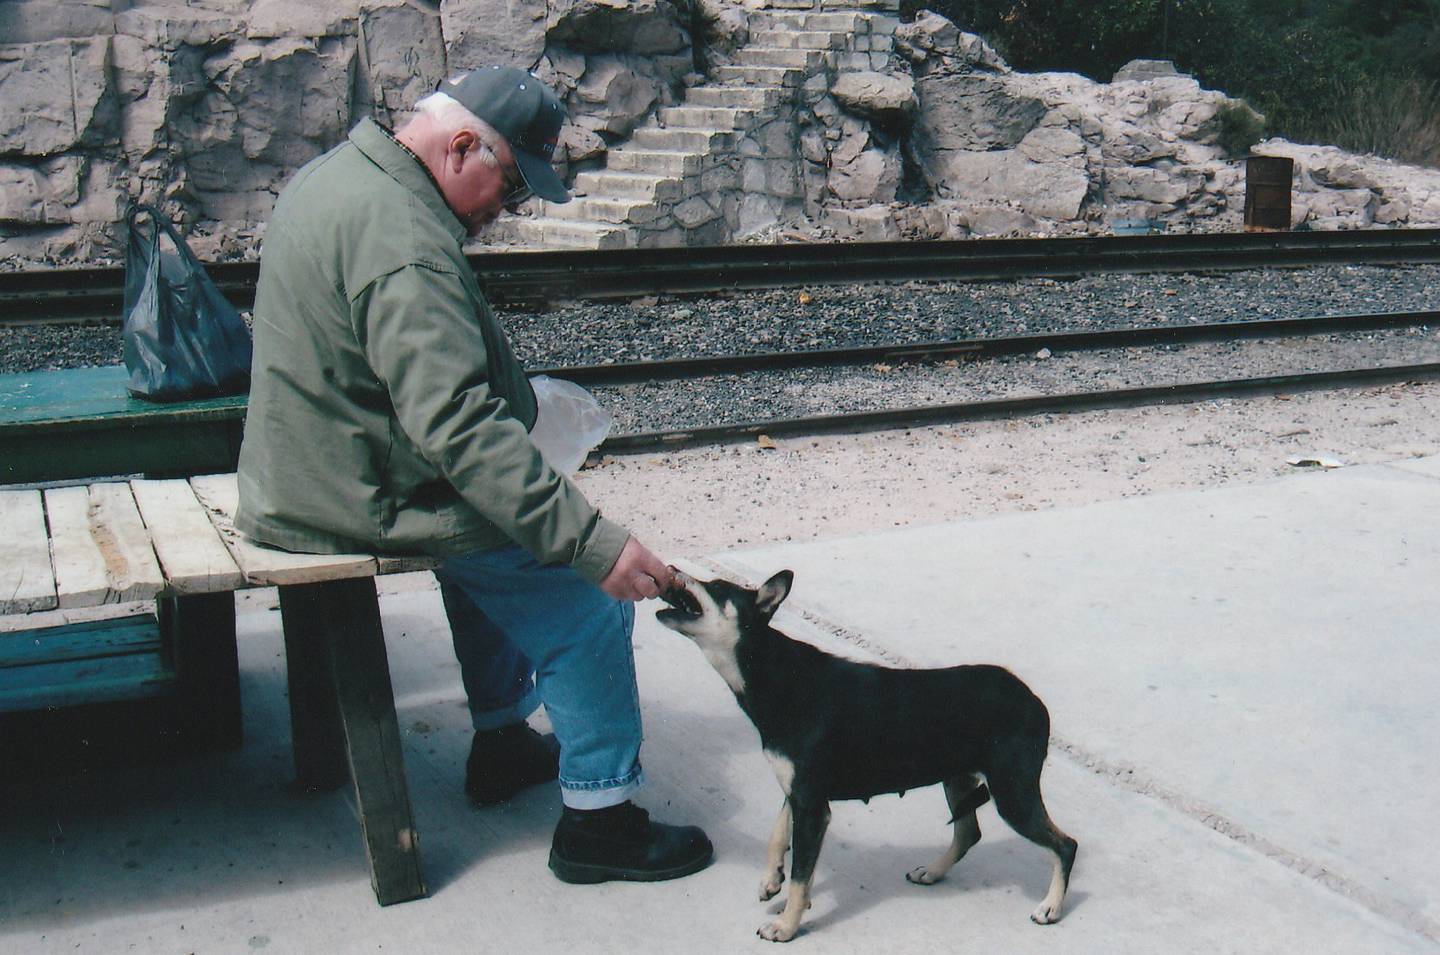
(199, 631)
(332, 631)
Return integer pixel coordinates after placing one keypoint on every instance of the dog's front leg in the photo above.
(774, 875)
(808, 822)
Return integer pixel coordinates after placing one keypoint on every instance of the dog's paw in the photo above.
(1045, 914)
(777, 931)
(921, 876)
(770, 886)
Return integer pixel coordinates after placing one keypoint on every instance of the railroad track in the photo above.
(1000, 347)
(525, 278)
(210, 439)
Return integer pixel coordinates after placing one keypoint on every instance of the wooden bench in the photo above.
(174, 541)
(81, 423)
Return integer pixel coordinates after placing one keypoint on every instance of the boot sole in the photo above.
(581, 873)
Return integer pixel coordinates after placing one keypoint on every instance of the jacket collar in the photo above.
(385, 151)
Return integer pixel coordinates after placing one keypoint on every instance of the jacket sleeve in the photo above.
(425, 342)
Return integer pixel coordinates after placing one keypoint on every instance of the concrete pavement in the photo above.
(1241, 685)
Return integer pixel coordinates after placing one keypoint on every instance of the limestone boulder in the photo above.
(884, 97)
(872, 175)
(1047, 190)
(493, 32)
(37, 21)
(725, 29)
(607, 26)
(1143, 71)
(974, 112)
(58, 96)
(402, 56)
(616, 92)
(268, 19)
(268, 109)
(171, 26)
(933, 44)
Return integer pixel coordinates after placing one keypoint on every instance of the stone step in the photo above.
(805, 22)
(799, 39)
(772, 76)
(808, 60)
(632, 210)
(742, 97)
(549, 233)
(656, 161)
(637, 186)
(725, 118)
(873, 6)
(681, 140)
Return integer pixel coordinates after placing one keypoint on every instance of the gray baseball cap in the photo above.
(524, 111)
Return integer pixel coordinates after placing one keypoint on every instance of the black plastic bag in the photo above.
(182, 338)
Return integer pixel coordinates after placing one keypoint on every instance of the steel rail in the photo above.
(1065, 403)
(514, 278)
(982, 348)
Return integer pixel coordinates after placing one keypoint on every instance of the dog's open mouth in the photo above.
(681, 600)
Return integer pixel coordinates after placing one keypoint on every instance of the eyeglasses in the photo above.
(515, 193)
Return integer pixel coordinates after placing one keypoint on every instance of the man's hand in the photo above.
(637, 574)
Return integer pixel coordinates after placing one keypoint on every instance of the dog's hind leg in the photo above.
(964, 795)
(774, 875)
(809, 821)
(1017, 797)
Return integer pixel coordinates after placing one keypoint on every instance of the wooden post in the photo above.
(333, 628)
(199, 631)
(1268, 182)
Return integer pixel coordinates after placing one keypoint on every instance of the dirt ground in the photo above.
(695, 502)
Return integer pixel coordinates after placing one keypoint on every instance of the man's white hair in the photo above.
(448, 114)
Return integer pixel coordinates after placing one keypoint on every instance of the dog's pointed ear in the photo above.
(773, 592)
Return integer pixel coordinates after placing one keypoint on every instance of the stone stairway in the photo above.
(696, 173)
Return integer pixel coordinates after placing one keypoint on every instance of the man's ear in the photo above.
(460, 147)
(773, 592)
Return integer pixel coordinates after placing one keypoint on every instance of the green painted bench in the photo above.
(81, 423)
(77, 547)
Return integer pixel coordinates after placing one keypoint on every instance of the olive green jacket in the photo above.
(387, 411)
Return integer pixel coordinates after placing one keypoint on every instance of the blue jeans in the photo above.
(526, 634)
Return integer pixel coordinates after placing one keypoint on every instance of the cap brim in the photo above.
(540, 176)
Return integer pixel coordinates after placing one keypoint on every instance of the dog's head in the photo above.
(715, 613)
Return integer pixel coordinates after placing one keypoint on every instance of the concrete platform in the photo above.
(1241, 685)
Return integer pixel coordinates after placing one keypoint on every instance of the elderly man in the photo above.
(388, 413)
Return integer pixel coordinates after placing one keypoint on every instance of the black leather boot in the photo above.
(502, 762)
(621, 843)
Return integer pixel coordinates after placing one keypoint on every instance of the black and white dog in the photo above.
(837, 729)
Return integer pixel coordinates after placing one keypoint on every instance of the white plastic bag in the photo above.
(569, 424)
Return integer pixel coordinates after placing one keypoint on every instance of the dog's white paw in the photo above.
(1046, 914)
(770, 886)
(921, 876)
(777, 931)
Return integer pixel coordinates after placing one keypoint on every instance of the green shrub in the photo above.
(1238, 128)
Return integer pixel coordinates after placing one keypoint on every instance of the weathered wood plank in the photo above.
(80, 641)
(99, 546)
(194, 558)
(262, 565)
(135, 676)
(96, 662)
(27, 582)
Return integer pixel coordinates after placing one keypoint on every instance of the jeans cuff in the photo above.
(601, 795)
(506, 715)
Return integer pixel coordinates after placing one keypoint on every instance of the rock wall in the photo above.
(915, 130)
(207, 107)
(1005, 152)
